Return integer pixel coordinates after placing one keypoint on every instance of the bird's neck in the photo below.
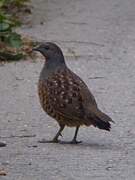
(52, 66)
(55, 62)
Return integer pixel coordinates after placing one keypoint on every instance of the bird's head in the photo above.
(50, 51)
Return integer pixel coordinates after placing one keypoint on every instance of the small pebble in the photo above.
(2, 172)
(2, 144)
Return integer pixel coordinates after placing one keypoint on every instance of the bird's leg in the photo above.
(55, 139)
(74, 141)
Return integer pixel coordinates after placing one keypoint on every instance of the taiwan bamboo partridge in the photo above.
(64, 96)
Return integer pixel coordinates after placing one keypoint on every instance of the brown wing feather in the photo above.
(87, 97)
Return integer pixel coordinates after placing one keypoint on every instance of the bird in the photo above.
(64, 95)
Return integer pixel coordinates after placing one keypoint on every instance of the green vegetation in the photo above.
(11, 43)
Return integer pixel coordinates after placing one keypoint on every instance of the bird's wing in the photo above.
(92, 113)
(87, 96)
(68, 93)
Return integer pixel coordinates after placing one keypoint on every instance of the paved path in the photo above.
(98, 40)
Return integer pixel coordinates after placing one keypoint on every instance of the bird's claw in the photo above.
(75, 142)
(70, 142)
(49, 141)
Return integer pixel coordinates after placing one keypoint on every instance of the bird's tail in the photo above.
(101, 120)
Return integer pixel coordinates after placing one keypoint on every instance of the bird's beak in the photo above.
(35, 49)
(39, 49)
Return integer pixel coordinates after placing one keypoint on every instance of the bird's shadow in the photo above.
(92, 145)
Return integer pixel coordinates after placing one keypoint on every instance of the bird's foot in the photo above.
(49, 141)
(75, 142)
(70, 142)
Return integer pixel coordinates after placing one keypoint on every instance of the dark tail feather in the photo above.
(102, 124)
(101, 120)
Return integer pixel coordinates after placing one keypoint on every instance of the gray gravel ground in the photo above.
(98, 40)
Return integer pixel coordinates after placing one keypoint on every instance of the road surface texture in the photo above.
(98, 40)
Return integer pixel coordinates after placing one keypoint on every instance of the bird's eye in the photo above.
(46, 47)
